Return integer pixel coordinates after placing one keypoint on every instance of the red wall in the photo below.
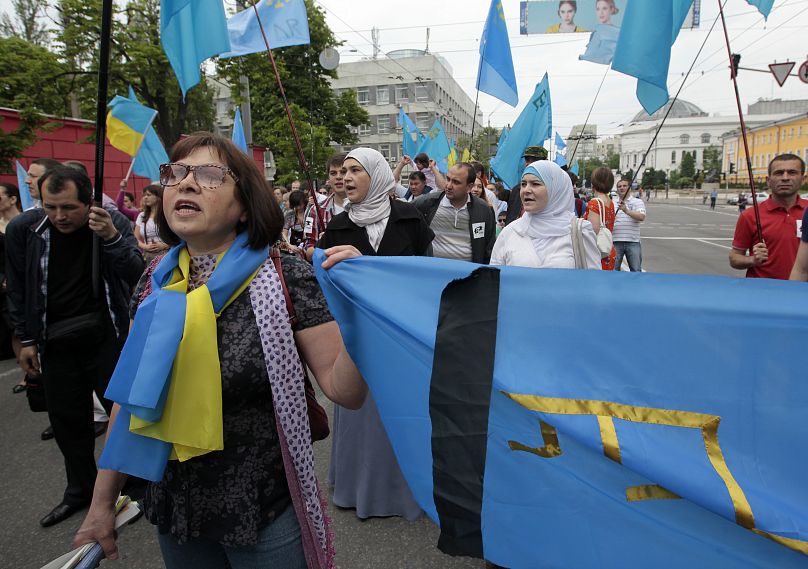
(69, 142)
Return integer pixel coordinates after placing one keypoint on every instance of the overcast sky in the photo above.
(456, 26)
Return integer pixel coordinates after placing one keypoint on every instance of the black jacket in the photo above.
(406, 233)
(479, 212)
(27, 238)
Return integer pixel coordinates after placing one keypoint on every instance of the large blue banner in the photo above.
(542, 426)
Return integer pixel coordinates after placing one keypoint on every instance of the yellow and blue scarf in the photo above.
(168, 378)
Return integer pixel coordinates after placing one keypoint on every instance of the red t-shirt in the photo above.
(780, 232)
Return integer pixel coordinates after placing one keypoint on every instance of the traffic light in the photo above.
(732, 167)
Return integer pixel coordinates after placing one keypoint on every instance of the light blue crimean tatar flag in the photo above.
(559, 142)
(151, 154)
(192, 31)
(530, 454)
(436, 143)
(560, 159)
(532, 128)
(239, 138)
(644, 47)
(496, 75)
(408, 130)
(26, 201)
(763, 6)
(285, 23)
(574, 168)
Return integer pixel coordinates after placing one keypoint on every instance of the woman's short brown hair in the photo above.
(264, 218)
(602, 180)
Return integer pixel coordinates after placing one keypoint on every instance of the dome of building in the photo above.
(681, 109)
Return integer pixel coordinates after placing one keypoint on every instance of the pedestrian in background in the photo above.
(630, 214)
(600, 209)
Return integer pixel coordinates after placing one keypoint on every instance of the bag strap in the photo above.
(577, 246)
(275, 255)
(602, 212)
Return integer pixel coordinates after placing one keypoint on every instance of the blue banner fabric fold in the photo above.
(559, 142)
(533, 454)
(26, 201)
(763, 6)
(602, 44)
(644, 47)
(496, 75)
(574, 168)
(560, 159)
(533, 126)
(285, 23)
(408, 130)
(192, 31)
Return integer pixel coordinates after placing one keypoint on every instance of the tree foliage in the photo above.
(711, 159)
(321, 116)
(137, 59)
(26, 23)
(33, 82)
(688, 167)
(483, 147)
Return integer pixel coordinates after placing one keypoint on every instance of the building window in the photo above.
(634, 161)
(385, 150)
(421, 93)
(705, 138)
(402, 95)
(364, 130)
(799, 131)
(383, 124)
(791, 133)
(363, 96)
(382, 95)
(422, 120)
(673, 157)
(684, 139)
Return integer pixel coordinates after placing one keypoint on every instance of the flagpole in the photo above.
(476, 101)
(101, 132)
(734, 75)
(586, 122)
(301, 156)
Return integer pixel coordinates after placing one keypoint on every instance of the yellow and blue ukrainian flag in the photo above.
(130, 130)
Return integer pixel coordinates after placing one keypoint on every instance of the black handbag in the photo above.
(76, 327)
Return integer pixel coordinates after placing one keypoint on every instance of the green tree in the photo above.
(613, 161)
(711, 159)
(137, 59)
(483, 147)
(32, 82)
(27, 22)
(309, 92)
(688, 167)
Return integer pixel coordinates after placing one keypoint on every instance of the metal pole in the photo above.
(300, 154)
(101, 133)
(734, 76)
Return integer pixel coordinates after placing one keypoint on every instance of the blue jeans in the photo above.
(632, 251)
(279, 546)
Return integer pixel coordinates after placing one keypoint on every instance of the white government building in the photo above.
(687, 129)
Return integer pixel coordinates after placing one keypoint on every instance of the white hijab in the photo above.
(555, 219)
(373, 211)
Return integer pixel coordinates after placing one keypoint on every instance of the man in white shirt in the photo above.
(464, 225)
(626, 235)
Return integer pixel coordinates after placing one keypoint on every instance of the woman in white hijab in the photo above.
(364, 472)
(548, 235)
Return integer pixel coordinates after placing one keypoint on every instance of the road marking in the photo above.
(11, 371)
(690, 238)
(705, 210)
(711, 243)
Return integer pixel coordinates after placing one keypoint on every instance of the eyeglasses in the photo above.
(207, 176)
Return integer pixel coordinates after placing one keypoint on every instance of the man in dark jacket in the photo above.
(59, 319)
(465, 226)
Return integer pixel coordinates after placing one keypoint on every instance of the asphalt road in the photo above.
(676, 238)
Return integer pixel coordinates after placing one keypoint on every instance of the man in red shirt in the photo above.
(781, 221)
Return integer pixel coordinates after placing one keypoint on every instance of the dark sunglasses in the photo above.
(207, 176)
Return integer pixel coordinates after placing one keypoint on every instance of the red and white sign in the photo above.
(803, 72)
(781, 71)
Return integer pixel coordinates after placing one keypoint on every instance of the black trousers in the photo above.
(72, 369)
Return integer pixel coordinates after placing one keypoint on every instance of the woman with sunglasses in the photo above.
(244, 493)
(363, 470)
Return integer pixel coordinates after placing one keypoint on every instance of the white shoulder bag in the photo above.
(576, 233)
(604, 237)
